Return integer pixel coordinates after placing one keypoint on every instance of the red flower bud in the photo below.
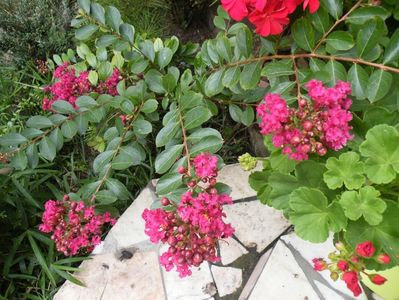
(384, 258)
(377, 279)
(181, 170)
(365, 249)
(192, 184)
(343, 265)
(307, 125)
(319, 264)
(165, 201)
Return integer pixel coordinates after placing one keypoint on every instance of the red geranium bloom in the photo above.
(237, 9)
(271, 19)
(313, 5)
(377, 279)
(365, 249)
(292, 5)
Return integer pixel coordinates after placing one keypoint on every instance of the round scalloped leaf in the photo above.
(384, 236)
(366, 203)
(313, 217)
(347, 169)
(382, 149)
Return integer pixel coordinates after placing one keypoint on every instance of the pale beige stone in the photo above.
(227, 279)
(108, 278)
(230, 250)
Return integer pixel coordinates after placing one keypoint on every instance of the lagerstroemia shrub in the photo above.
(324, 98)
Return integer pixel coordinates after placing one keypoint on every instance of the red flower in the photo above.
(271, 19)
(365, 249)
(237, 9)
(292, 5)
(384, 258)
(319, 264)
(352, 282)
(313, 5)
(377, 279)
(343, 265)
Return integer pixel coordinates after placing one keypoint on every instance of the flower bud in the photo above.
(377, 279)
(334, 276)
(384, 258)
(165, 201)
(247, 162)
(181, 170)
(343, 265)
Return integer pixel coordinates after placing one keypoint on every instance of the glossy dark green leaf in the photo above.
(369, 36)
(69, 129)
(12, 139)
(210, 143)
(127, 32)
(358, 78)
(231, 77)
(250, 75)
(334, 7)
(47, 148)
(378, 85)
(85, 32)
(213, 84)
(392, 50)
(113, 17)
(364, 14)
(340, 40)
(164, 57)
(142, 127)
(303, 34)
(196, 117)
(167, 158)
(39, 122)
(118, 188)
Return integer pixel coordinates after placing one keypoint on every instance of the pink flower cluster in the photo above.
(312, 127)
(69, 86)
(74, 226)
(268, 16)
(347, 265)
(191, 228)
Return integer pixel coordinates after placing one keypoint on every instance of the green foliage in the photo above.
(32, 29)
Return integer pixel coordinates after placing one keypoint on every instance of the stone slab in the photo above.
(230, 250)
(227, 279)
(255, 224)
(129, 230)
(108, 278)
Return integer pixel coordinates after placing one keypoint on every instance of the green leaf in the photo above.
(336, 71)
(19, 161)
(153, 79)
(384, 236)
(210, 143)
(392, 50)
(147, 48)
(164, 57)
(33, 156)
(106, 40)
(201, 133)
(303, 34)
(30, 133)
(67, 276)
(248, 116)
(82, 122)
(113, 17)
(190, 99)
(139, 65)
(12, 139)
(364, 14)
(85, 32)
(244, 41)
(346, 170)
(142, 127)
(278, 68)
(97, 12)
(102, 160)
(167, 158)
(378, 85)
(358, 78)
(105, 197)
(93, 77)
(57, 138)
(40, 258)
(85, 5)
(223, 48)
(127, 32)
(167, 133)
(47, 149)
(169, 83)
(312, 217)
(219, 22)
(250, 75)
(259, 182)
(168, 183)
(231, 77)
(235, 113)
(150, 106)
(307, 173)
(118, 188)
(213, 84)
(381, 148)
(340, 40)
(63, 107)
(366, 202)
(128, 156)
(281, 162)
(334, 7)
(69, 129)
(39, 122)
(196, 117)
(369, 36)
(321, 20)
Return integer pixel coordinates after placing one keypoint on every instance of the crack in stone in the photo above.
(311, 275)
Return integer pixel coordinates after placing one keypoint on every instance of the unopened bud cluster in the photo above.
(348, 265)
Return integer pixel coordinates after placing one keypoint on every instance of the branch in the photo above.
(185, 144)
(343, 18)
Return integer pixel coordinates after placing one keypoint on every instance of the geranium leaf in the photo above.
(384, 236)
(381, 148)
(313, 217)
(347, 169)
(366, 203)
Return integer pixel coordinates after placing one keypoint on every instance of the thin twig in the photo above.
(343, 18)
(185, 144)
